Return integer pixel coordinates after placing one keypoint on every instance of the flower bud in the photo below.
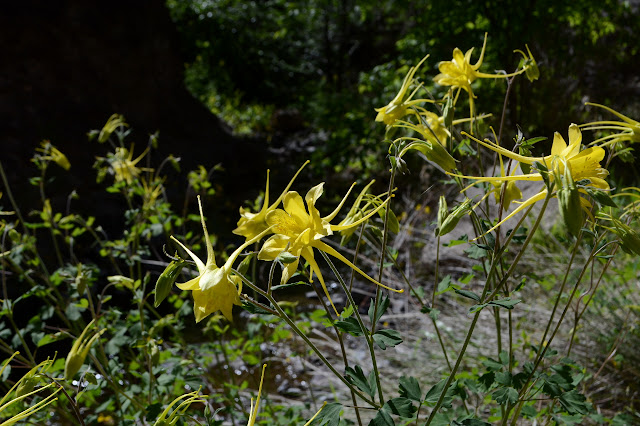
(166, 280)
(630, 239)
(447, 221)
(434, 152)
(569, 203)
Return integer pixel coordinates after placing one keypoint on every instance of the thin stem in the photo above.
(586, 305)
(368, 337)
(73, 402)
(483, 299)
(342, 349)
(436, 273)
(299, 332)
(546, 344)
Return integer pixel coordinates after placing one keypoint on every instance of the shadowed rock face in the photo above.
(67, 66)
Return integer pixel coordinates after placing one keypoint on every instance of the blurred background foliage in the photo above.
(307, 74)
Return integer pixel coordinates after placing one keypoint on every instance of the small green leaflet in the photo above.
(365, 384)
(387, 338)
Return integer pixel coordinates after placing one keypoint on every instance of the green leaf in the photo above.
(254, 309)
(383, 304)
(601, 197)
(506, 395)
(574, 402)
(529, 411)
(393, 225)
(504, 378)
(351, 326)
(410, 388)
(506, 303)
(153, 411)
(288, 285)
(468, 294)
(90, 377)
(462, 240)
(356, 377)
(475, 252)
(382, 419)
(492, 364)
(532, 141)
(329, 415)
(487, 380)
(476, 308)
(444, 285)
(387, 338)
(433, 394)
(50, 338)
(285, 257)
(401, 406)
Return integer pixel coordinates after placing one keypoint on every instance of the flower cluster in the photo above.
(297, 229)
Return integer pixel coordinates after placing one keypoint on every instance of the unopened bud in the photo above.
(630, 239)
(569, 203)
(447, 221)
(434, 152)
(166, 280)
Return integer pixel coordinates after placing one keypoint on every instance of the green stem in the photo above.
(544, 345)
(342, 349)
(484, 299)
(368, 336)
(299, 332)
(435, 283)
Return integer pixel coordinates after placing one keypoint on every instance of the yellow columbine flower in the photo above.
(629, 130)
(24, 390)
(170, 418)
(215, 288)
(298, 230)
(80, 350)
(251, 224)
(581, 164)
(459, 73)
(432, 126)
(397, 108)
(112, 124)
(52, 153)
(124, 166)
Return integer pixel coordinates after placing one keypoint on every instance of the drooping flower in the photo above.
(459, 73)
(51, 153)
(299, 229)
(432, 127)
(215, 288)
(251, 224)
(583, 166)
(628, 129)
(399, 106)
(529, 64)
(112, 124)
